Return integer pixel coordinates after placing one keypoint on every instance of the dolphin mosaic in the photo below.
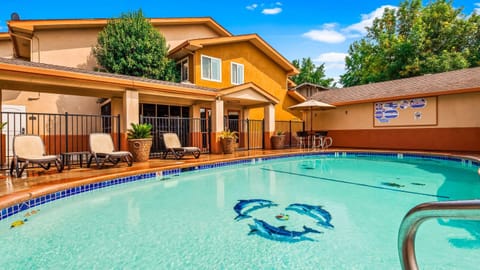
(321, 215)
(266, 230)
(244, 207)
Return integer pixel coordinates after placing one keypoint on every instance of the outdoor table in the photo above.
(67, 157)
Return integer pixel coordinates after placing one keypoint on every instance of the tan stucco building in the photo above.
(437, 112)
(238, 85)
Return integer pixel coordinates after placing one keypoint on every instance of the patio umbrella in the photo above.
(311, 105)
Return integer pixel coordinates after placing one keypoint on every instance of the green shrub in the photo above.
(140, 131)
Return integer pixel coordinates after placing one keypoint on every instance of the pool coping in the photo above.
(16, 202)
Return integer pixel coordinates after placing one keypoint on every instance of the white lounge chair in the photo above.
(102, 150)
(30, 149)
(173, 145)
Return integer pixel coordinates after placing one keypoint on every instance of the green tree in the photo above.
(311, 73)
(130, 45)
(414, 40)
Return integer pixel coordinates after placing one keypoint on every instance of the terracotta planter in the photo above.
(228, 145)
(278, 141)
(140, 148)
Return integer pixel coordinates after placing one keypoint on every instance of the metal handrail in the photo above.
(468, 209)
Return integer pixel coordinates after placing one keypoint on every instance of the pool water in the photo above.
(188, 221)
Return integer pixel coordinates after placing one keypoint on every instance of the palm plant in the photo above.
(228, 134)
(140, 131)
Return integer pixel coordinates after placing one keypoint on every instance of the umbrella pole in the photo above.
(311, 120)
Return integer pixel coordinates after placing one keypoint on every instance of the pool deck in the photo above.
(38, 182)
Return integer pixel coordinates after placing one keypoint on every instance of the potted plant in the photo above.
(228, 139)
(278, 140)
(140, 141)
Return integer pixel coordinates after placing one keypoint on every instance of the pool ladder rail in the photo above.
(468, 210)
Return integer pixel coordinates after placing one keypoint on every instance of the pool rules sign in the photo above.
(406, 112)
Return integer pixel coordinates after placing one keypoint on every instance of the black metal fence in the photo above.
(250, 133)
(190, 131)
(290, 129)
(69, 132)
(59, 132)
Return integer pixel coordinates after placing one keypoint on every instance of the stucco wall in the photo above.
(457, 129)
(73, 47)
(460, 110)
(177, 34)
(51, 103)
(258, 68)
(70, 47)
(6, 48)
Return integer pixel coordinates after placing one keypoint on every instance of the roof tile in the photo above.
(463, 80)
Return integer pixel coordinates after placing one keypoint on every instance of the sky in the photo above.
(319, 29)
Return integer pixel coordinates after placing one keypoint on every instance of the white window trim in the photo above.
(219, 72)
(231, 73)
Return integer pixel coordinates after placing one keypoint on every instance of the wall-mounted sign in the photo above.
(406, 112)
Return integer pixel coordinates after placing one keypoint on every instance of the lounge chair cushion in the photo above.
(102, 150)
(173, 145)
(30, 149)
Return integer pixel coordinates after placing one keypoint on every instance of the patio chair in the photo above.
(173, 145)
(29, 149)
(321, 140)
(302, 137)
(102, 150)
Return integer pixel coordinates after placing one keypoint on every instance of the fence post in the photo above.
(66, 134)
(290, 131)
(248, 134)
(263, 134)
(119, 136)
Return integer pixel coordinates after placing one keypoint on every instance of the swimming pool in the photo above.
(187, 221)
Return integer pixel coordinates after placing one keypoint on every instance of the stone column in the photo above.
(269, 112)
(245, 115)
(128, 108)
(217, 126)
(195, 126)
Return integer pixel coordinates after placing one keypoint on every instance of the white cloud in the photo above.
(272, 11)
(331, 57)
(334, 63)
(477, 9)
(367, 20)
(329, 33)
(278, 3)
(326, 34)
(252, 7)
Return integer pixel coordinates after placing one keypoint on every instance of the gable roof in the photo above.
(452, 82)
(39, 77)
(257, 41)
(312, 85)
(4, 36)
(263, 95)
(28, 26)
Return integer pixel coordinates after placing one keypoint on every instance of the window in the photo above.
(183, 67)
(211, 69)
(237, 73)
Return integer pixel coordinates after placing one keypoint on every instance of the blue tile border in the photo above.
(34, 202)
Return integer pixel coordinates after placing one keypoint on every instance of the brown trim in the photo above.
(255, 39)
(428, 139)
(418, 95)
(31, 25)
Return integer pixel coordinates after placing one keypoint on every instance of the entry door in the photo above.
(205, 117)
(15, 116)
